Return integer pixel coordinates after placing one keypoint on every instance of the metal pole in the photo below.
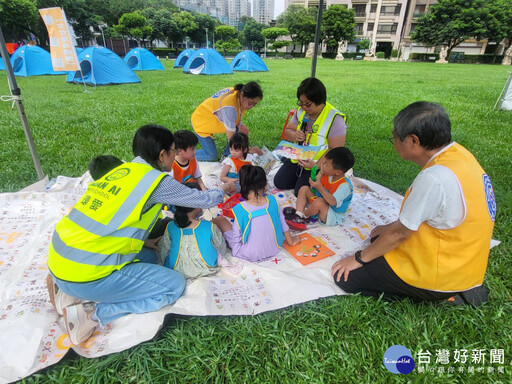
(103, 36)
(317, 37)
(15, 91)
(206, 29)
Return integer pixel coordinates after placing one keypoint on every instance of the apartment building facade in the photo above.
(418, 9)
(388, 24)
(380, 21)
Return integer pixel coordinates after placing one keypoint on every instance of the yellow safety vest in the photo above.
(321, 127)
(450, 260)
(106, 229)
(205, 122)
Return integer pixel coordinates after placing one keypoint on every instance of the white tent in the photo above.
(505, 98)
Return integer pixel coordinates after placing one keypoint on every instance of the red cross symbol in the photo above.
(276, 260)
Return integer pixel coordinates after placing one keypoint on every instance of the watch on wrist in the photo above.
(358, 258)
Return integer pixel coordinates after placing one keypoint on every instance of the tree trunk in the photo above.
(495, 53)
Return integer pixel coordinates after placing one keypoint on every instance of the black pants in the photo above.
(291, 176)
(378, 278)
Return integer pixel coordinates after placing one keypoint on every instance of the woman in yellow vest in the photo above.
(101, 264)
(222, 113)
(316, 122)
(439, 246)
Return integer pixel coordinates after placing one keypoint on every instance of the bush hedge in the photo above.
(430, 57)
(464, 58)
(346, 55)
(165, 52)
(481, 59)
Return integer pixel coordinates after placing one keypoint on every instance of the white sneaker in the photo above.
(78, 321)
(58, 298)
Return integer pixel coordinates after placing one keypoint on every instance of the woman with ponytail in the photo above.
(222, 113)
(190, 245)
(259, 229)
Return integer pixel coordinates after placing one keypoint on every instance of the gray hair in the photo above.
(428, 121)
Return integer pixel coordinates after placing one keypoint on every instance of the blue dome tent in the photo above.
(248, 61)
(78, 50)
(30, 60)
(101, 66)
(207, 62)
(2, 66)
(183, 57)
(140, 59)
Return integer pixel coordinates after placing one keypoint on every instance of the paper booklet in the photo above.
(308, 250)
(265, 161)
(293, 151)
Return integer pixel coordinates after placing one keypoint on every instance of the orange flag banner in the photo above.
(62, 48)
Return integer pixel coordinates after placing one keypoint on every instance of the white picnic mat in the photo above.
(33, 336)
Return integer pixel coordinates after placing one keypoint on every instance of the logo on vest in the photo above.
(119, 174)
(489, 196)
(218, 94)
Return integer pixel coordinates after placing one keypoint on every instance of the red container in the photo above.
(230, 203)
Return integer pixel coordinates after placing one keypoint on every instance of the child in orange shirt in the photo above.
(240, 156)
(185, 167)
(333, 191)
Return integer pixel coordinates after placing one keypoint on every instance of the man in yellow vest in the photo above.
(439, 246)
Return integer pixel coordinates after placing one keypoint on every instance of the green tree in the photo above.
(134, 25)
(186, 23)
(203, 22)
(450, 22)
(226, 39)
(163, 24)
(272, 34)
(82, 14)
(300, 22)
(112, 10)
(227, 45)
(362, 44)
(225, 32)
(338, 23)
(251, 36)
(18, 17)
(497, 16)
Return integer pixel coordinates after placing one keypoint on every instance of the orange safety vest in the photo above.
(238, 163)
(184, 174)
(331, 188)
(451, 260)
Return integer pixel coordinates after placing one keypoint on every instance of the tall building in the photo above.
(237, 9)
(263, 11)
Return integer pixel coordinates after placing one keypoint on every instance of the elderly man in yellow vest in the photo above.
(439, 246)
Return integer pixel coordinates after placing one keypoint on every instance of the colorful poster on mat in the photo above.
(308, 250)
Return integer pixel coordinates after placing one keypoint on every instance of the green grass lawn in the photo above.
(333, 340)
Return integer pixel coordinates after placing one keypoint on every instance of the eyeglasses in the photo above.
(304, 105)
(391, 140)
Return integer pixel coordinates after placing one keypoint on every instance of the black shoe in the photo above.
(294, 221)
(289, 212)
(474, 296)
